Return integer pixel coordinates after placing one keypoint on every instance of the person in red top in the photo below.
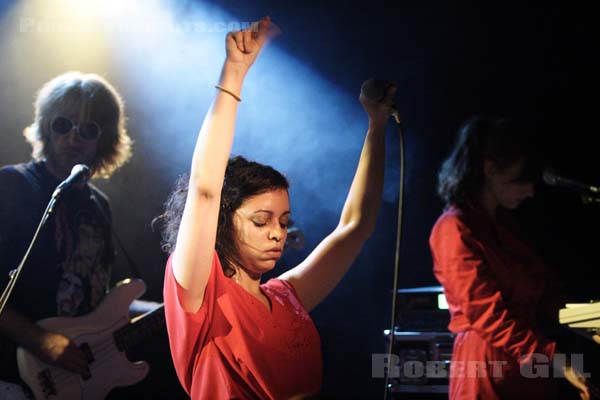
(492, 280)
(225, 226)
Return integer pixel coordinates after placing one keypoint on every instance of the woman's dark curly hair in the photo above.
(243, 179)
(504, 141)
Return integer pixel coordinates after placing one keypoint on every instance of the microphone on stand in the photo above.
(552, 179)
(79, 174)
(375, 91)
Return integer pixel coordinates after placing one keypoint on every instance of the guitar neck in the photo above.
(139, 330)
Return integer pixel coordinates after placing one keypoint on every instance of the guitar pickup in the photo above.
(89, 358)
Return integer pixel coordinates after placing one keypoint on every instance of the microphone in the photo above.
(552, 179)
(375, 91)
(79, 174)
(295, 239)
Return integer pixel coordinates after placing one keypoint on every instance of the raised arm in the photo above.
(196, 237)
(318, 275)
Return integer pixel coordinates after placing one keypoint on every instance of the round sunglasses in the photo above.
(87, 131)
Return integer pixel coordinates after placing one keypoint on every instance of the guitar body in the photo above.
(94, 333)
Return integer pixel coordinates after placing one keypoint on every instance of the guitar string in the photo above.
(99, 348)
(61, 376)
(67, 377)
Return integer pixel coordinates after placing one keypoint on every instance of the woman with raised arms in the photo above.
(232, 336)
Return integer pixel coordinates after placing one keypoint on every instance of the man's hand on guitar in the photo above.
(59, 350)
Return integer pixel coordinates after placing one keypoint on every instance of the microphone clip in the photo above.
(79, 174)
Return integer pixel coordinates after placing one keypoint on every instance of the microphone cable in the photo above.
(396, 258)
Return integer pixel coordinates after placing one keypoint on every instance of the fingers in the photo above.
(244, 41)
(575, 378)
(260, 33)
(238, 38)
(74, 360)
(388, 99)
(249, 43)
(265, 31)
(585, 394)
(390, 92)
(59, 350)
(381, 107)
(243, 46)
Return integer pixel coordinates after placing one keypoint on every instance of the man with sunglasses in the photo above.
(79, 119)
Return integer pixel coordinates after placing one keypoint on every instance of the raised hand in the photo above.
(379, 112)
(243, 46)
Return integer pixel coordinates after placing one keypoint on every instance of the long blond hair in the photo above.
(99, 100)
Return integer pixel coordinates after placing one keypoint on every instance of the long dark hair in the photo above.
(243, 179)
(502, 140)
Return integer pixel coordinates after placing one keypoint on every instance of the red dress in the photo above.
(234, 347)
(493, 283)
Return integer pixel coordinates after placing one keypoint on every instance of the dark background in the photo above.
(450, 60)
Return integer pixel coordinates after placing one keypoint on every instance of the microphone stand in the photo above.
(14, 274)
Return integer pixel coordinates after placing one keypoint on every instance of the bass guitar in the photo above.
(104, 335)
